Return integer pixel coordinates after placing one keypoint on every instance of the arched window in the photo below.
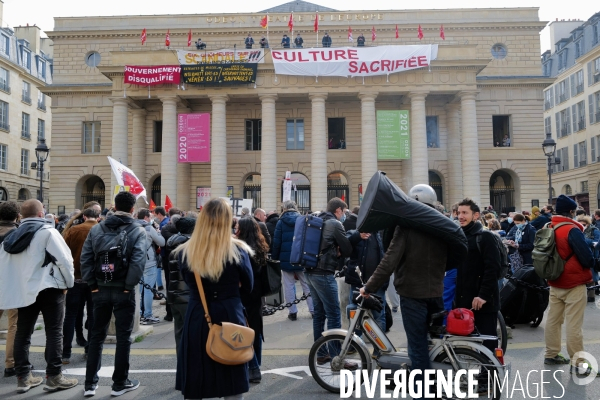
(3, 194)
(567, 190)
(502, 192)
(156, 191)
(435, 181)
(300, 191)
(93, 190)
(23, 194)
(337, 186)
(252, 189)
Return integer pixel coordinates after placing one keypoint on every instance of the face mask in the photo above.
(521, 227)
(510, 220)
(343, 218)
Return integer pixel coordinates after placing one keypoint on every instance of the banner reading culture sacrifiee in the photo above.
(353, 61)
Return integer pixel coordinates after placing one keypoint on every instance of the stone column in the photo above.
(418, 139)
(218, 147)
(368, 137)
(268, 154)
(470, 146)
(168, 157)
(184, 178)
(138, 150)
(318, 150)
(119, 136)
(454, 181)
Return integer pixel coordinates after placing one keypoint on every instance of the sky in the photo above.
(42, 12)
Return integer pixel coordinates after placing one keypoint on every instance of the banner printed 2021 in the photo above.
(353, 61)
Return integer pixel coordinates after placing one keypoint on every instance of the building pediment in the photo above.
(297, 6)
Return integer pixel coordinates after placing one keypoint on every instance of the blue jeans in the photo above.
(159, 281)
(379, 316)
(148, 296)
(416, 316)
(79, 294)
(324, 291)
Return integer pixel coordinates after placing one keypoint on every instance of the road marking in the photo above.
(107, 372)
(286, 371)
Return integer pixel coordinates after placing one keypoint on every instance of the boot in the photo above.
(28, 382)
(254, 375)
(59, 382)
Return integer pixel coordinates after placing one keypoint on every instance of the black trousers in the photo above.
(77, 296)
(51, 303)
(486, 323)
(106, 302)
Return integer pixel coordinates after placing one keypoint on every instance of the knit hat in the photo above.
(185, 225)
(535, 209)
(565, 204)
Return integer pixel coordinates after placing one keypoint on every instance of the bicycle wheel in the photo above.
(325, 363)
(470, 359)
(502, 333)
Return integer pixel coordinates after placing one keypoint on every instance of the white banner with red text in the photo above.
(353, 61)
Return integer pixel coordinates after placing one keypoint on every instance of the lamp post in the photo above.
(549, 147)
(41, 153)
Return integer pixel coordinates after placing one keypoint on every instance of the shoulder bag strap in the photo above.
(203, 298)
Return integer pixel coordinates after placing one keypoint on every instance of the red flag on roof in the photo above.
(264, 21)
(291, 22)
(190, 38)
(317, 22)
(152, 205)
(420, 33)
(168, 38)
(168, 204)
(442, 35)
(373, 34)
(143, 37)
(397, 36)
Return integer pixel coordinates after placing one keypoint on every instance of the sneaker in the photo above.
(90, 391)
(28, 382)
(127, 387)
(254, 375)
(350, 366)
(150, 321)
(59, 382)
(293, 316)
(557, 360)
(66, 360)
(323, 360)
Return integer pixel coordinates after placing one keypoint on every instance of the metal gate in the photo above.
(253, 192)
(156, 191)
(503, 198)
(93, 196)
(341, 191)
(302, 198)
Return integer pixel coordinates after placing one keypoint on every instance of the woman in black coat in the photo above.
(521, 238)
(223, 264)
(249, 231)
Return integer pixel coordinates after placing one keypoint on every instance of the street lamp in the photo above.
(549, 147)
(41, 153)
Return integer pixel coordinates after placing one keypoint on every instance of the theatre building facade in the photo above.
(473, 102)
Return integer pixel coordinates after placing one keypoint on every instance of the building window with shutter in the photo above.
(584, 187)
(3, 160)
(91, 137)
(549, 99)
(295, 134)
(25, 126)
(582, 152)
(548, 125)
(41, 129)
(24, 162)
(253, 134)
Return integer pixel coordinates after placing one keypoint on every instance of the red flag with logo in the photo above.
(350, 39)
(343, 197)
(373, 34)
(397, 36)
(190, 38)
(168, 38)
(168, 204)
(152, 205)
(442, 35)
(317, 22)
(264, 22)
(420, 33)
(291, 22)
(143, 37)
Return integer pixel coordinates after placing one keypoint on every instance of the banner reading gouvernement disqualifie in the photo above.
(223, 56)
(353, 61)
(393, 135)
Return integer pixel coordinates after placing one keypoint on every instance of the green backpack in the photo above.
(546, 261)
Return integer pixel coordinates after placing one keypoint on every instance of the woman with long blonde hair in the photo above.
(223, 264)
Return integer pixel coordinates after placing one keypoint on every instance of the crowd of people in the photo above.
(91, 263)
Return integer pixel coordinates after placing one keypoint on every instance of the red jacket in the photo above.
(574, 274)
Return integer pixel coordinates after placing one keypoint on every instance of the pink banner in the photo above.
(193, 138)
(150, 76)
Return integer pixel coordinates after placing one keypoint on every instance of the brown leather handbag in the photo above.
(227, 344)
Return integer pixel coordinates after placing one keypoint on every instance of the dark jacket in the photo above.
(166, 232)
(264, 230)
(478, 275)
(360, 41)
(271, 224)
(137, 248)
(252, 301)
(249, 42)
(350, 222)
(282, 240)
(366, 254)
(198, 376)
(507, 226)
(285, 42)
(418, 261)
(333, 240)
(526, 245)
(178, 291)
(5, 227)
(540, 221)
(592, 235)
(326, 41)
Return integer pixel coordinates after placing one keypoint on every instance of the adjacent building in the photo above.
(572, 110)
(476, 126)
(25, 114)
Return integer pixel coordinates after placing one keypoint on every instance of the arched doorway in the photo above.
(300, 191)
(502, 192)
(337, 186)
(435, 181)
(155, 191)
(24, 194)
(252, 189)
(92, 189)
(3, 194)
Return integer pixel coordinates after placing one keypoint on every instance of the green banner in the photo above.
(219, 74)
(393, 135)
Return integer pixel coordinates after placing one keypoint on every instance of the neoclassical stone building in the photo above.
(476, 126)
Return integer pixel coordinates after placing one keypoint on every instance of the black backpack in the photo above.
(504, 264)
(112, 254)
